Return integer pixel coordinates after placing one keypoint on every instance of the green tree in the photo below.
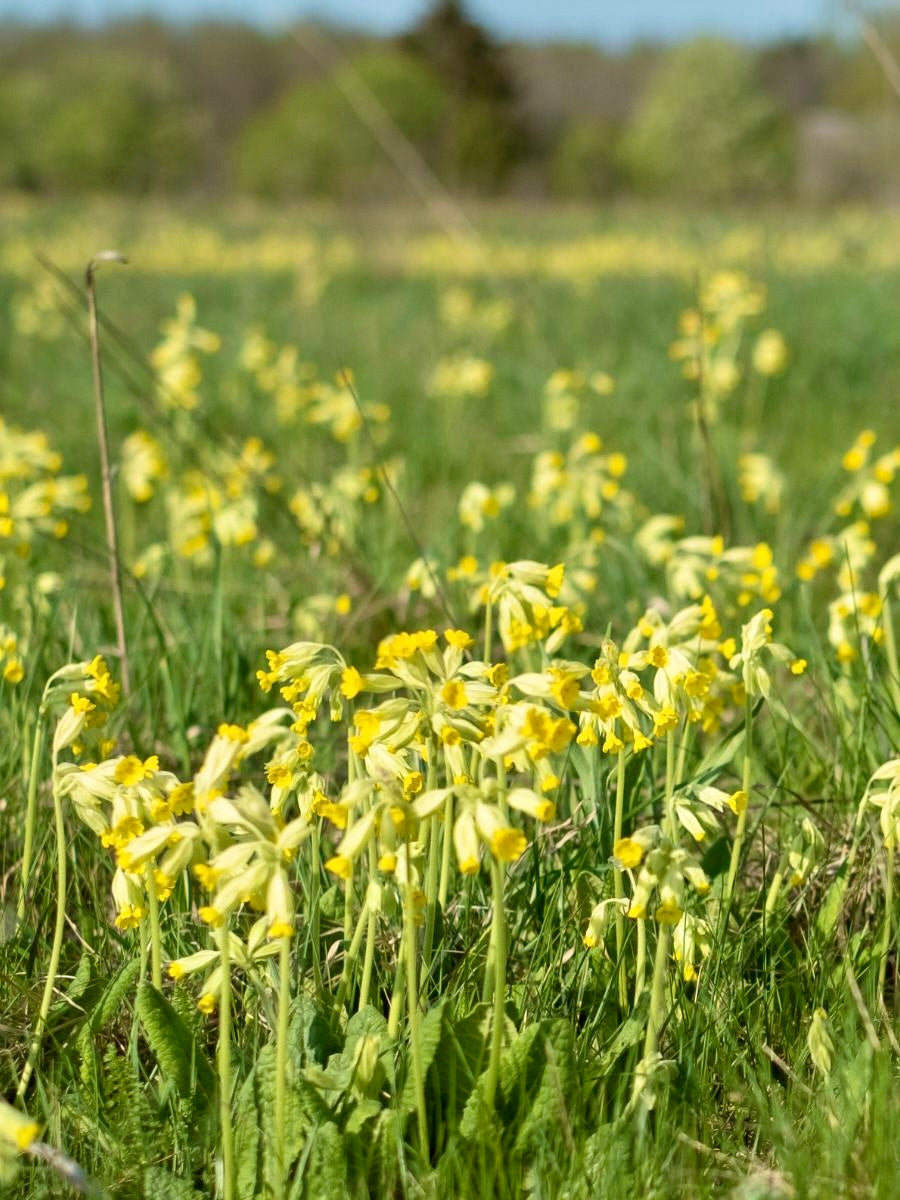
(706, 130)
(78, 124)
(484, 135)
(584, 163)
(313, 142)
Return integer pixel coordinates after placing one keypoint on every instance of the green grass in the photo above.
(126, 1084)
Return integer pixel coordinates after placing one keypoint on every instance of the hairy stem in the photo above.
(37, 749)
(223, 1060)
(56, 948)
(498, 927)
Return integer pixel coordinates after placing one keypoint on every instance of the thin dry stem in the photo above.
(112, 543)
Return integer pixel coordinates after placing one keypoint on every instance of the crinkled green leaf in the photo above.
(180, 1058)
(163, 1185)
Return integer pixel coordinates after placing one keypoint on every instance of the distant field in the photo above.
(597, 290)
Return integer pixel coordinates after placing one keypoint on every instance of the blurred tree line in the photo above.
(141, 107)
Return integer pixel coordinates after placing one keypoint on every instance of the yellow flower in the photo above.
(340, 865)
(508, 844)
(16, 1127)
(458, 638)
(628, 852)
(352, 682)
(13, 671)
(131, 770)
(737, 802)
(232, 733)
(453, 693)
(669, 912)
(130, 916)
(280, 929)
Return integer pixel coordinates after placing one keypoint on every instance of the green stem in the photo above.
(640, 963)
(499, 941)
(365, 985)
(37, 750)
(774, 891)
(56, 948)
(431, 882)
(431, 889)
(890, 650)
(670, 828)
(281, 1062)
(223, 1059)
(155, 933)
(488, 630)
(314, 927)
(218, 620)
(738, 844)
(618, 887)
(398, 992)
(446, 852)
(888, 920)
(412, 1008)
(350, 959)
(658, 992)
(348, 906)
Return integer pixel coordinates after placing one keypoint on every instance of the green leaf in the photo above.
(717, 858)
(162, 1185)
(459, 1060)
(629, 1034)
(311, 1037)
(180, 1058)
(326, 1173)
(547, 1111)
(248, 1124)
(537, 1076)
(833, 905)
(305, 1110)
(431, 1031)
(719, 757)
(121, 986)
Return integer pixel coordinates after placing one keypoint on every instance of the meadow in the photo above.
(493, 788)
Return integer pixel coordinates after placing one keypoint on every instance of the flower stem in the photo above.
(365, 985)
(37, 749)
(412, 1010)
(350, 959)
(618, 888)
(431, 887)
(281, 1063)
(314, 887)
(223, 1059)
(498, 928)
(640, 963)
(670, 786)
(738, 844)
(56, 948)
(398, 991)
(888, 920)
(446, 852)
(890, 650)
(657, 1012)
(155, 932)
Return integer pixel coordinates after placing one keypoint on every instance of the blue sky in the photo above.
(611, 22)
